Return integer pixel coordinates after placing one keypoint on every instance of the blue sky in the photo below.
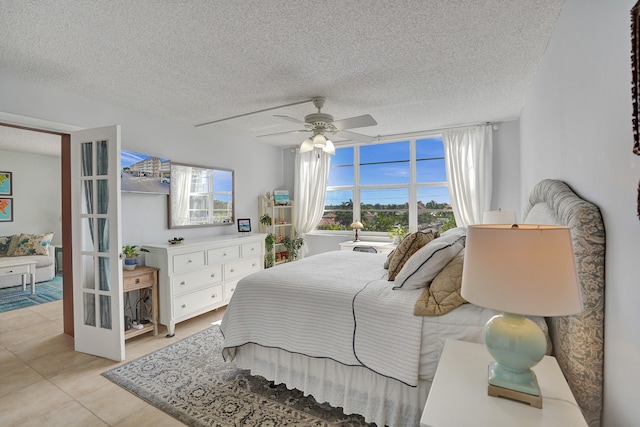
(374, 171)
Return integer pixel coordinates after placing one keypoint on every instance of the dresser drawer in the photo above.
(18, 269)
(229, 289)
(220, 255)
(187, 282)
(241, 268)
(189, 303)
(188, 262)
(251, 249)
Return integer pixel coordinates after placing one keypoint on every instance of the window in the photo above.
(389, 184)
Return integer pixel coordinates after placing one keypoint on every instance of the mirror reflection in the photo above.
(200, 196)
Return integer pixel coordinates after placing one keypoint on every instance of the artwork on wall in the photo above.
(6, 183)
(6, 209)
(144, 173)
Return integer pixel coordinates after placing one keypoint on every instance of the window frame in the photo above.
(412, 186)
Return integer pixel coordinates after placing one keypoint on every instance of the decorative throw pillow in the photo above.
(443, 295)
(409, 246)
(13, 245)
(33, 244)
(5, 241)
(388, 260)
(425, 264)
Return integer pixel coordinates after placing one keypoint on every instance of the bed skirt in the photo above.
(355, 389)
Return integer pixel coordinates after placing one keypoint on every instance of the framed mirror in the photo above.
(200, 196)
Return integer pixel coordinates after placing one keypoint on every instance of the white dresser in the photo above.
(200, 275)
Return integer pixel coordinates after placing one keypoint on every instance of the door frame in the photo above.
(67, 247)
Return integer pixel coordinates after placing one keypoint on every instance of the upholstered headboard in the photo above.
(578, 341)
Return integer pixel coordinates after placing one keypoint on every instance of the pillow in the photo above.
(443, 295)
(409, 246)
(5, 241)
(425, 264)
(33, 244)
(388, 260)
(12, 246)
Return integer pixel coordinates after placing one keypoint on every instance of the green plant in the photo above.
(265, 220)
(269, 241)
(132, 251)
(398, 232)
(292, 246)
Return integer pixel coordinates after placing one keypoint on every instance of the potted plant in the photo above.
(269, 241)
(265, 220)
(397, 233)
(292, 246)
(131, 254)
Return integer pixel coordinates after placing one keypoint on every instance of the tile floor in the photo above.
(44, 382)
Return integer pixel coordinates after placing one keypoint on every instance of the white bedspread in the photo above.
(348, 313)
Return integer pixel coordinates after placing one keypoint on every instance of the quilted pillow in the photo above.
(409, 246)
(33, 244)
(443, 295)
(425, 264)
(5, 241)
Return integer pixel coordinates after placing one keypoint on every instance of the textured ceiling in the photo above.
(413, 65)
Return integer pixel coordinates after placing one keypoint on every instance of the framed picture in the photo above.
(281, 197)
(6, 210)
(244, 225)
(6, 183)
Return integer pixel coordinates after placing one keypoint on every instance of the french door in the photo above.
(97, 270)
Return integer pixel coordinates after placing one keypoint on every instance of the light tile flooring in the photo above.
(44, 382)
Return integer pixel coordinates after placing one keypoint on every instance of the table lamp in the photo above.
(519, 270)
(499, 217)
(356, 225)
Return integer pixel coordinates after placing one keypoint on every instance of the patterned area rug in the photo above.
(190, 381)
(14, 297)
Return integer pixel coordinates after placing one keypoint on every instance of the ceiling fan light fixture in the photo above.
(329, 147)
(307, 145)
(319, 140)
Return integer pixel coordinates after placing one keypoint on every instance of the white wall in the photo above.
(36, 194)
(576, 126)
(258, 167)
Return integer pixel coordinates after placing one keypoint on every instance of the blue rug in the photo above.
(14, 298)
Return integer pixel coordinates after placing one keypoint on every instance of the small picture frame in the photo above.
(244, 225)
(281, 197)
(6, 210)
(6, 183)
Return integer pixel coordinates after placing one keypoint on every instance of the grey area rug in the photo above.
(190, 381)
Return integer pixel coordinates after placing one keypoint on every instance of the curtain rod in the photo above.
(424, 132)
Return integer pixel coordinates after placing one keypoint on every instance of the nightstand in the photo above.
(380, 247)
(145, 280)
(458, 394)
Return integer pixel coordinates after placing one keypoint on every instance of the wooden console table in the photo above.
(145, 280)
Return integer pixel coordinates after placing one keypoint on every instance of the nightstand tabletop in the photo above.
(458, 395)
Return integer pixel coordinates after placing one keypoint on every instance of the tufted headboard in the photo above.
(578, 340)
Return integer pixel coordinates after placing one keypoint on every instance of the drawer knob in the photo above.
(183, 283)
(253, 265)
(184, 305)
(10, 271)
(224, 254)
(233, 269)
(213, 274)
(253, 249)
(233, 289)
(189, 261)
(137, 281)
(214, 296)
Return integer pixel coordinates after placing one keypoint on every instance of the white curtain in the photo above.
(311, 176)
(180, 185)
(468, 158)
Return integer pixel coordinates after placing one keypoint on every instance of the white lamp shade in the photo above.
(319, 140)
(329, 147)
(524, 269)
(307, 145)
(499, 217)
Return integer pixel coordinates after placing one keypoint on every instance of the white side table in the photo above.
(381, 247)
(22, 267)
(458, 395)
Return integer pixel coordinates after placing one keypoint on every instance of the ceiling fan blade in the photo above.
(356, 137)
(291, 119)
(284, 133)
(355, 122)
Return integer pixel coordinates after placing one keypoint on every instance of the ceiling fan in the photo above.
(320, 124)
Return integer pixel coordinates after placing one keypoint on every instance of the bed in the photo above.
(334, 326)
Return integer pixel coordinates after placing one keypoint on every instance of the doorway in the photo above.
(65, 192)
